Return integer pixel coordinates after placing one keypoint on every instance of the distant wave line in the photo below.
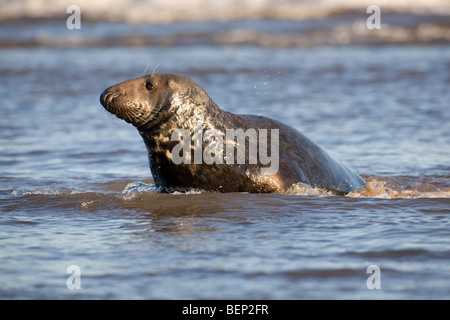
(198, 10)
(353, 34)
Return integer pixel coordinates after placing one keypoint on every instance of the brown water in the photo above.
(75, 187)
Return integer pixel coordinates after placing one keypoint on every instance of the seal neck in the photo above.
(208, 116)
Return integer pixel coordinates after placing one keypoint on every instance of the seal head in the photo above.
(146, 101)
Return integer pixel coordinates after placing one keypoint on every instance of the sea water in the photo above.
(76, 192)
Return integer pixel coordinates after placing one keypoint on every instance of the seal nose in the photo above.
(103, 97)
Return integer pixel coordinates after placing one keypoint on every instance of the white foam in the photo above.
(21, 192)
(377, 188)
(139, 186)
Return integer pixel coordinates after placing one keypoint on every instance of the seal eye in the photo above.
(149, 86)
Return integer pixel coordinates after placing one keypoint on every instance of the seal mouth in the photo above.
(132, 111)
(108, 100)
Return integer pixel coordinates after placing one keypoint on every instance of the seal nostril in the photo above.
(104, 97)
(107, 96)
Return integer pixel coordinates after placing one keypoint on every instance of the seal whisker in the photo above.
(155, 71)
(127, 115)
(145, 71)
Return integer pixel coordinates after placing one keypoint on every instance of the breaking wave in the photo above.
(222, 23)
(199, 10)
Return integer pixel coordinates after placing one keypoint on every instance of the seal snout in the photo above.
(103, 97)
(106, 97)
(126, 107)
(108, 100)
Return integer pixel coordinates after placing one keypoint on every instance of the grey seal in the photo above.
(165, 107)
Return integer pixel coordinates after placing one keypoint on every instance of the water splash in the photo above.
(401, 187)
(303, 189)
(138, 187)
